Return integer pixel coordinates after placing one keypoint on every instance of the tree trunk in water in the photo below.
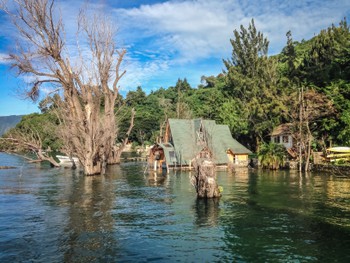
(301, 103)
(92, 168)
(308, 153)
(115, 152)
(43, 157)
(114, 156)
(204, 179)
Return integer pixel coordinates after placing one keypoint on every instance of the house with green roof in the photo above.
(186, 139)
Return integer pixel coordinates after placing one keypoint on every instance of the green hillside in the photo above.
(8, 122)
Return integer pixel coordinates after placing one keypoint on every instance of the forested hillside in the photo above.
(8, 122)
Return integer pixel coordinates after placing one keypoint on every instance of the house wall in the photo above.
(230, 157)
(241, 159)
(285, 140)
(238, 159)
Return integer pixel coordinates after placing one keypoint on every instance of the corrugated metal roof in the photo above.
(186, 139)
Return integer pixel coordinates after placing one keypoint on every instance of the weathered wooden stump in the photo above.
(204, 179)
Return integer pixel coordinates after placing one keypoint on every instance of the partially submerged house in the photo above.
(185, 140)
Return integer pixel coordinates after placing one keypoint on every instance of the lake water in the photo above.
(59, 215)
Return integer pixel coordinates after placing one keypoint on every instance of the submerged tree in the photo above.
(87, 82)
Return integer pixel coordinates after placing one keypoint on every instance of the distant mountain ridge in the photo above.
(8, 122)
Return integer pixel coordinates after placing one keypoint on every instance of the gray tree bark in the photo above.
(204, 179)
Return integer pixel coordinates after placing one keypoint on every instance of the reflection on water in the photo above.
(90, 223)
(59, 215)
(156, 179)
(207, 212)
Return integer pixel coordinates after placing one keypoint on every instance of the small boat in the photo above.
(338, 153)
(66, 160)
(339, 149)
(334, 155)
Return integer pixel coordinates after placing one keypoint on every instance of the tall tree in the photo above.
(182, 109)
(252, 81)
(136, 97)
(329, 56)
(84, 83)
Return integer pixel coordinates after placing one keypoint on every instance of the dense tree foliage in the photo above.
(35, 133)
(272, 156)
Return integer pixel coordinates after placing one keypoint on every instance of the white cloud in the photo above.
(304, 18)
(188, 32)
(199, 28)
(138, 73)
(190, 29)
(4, 58)
(174, 37)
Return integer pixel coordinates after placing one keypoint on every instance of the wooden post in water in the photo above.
(204, 179)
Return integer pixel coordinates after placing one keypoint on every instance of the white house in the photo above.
(282, 134)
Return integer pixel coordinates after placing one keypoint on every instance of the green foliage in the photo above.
(38, 128)
(272, 156)
(45, 125)
(236, 119)
(148, 117)
(182, 85)
(137, 97)
(256, 92)
(328, 58)
(8, 122)
(339, 93)
(206, 103)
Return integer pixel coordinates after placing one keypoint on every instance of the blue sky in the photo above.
(167, 40)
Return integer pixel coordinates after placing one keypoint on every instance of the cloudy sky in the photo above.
(167, 40)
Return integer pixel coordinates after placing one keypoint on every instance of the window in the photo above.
(172, 157)
(285, 139)
(276, 139)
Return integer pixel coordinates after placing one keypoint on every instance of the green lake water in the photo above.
(59, 215)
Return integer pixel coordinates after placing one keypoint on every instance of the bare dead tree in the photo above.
(29, 141)
(305, 109)
(88, 82)
(204, 176)
(316, 106)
